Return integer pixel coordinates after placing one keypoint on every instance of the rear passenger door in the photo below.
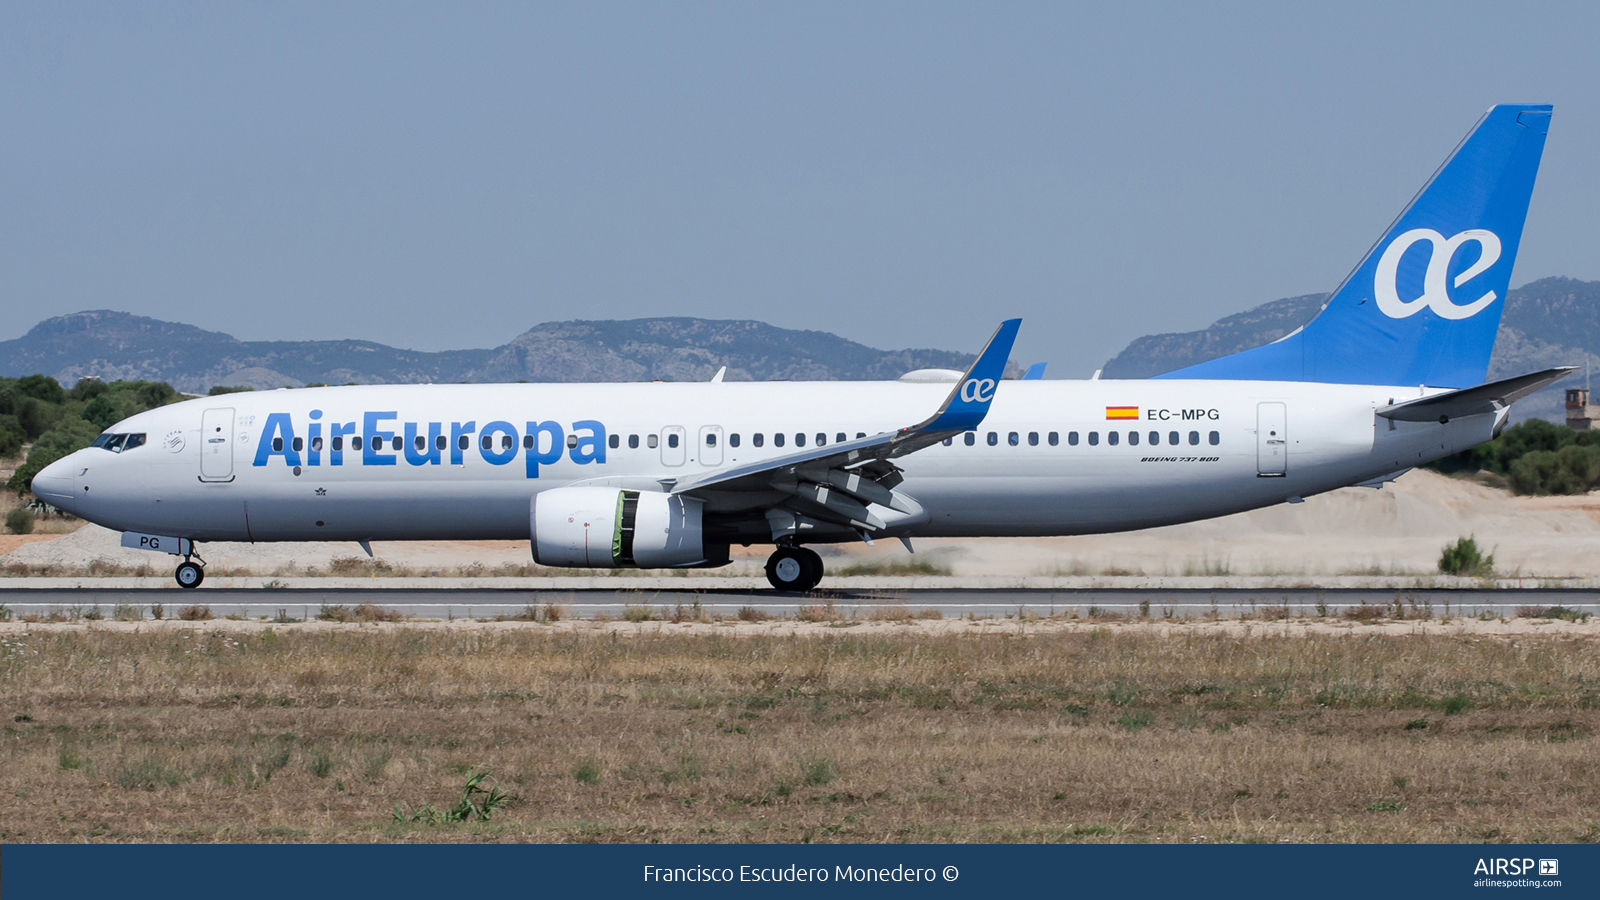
(1272, 440)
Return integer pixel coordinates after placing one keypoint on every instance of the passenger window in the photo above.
(507, 442)
(1013, 440)
(299, 444)
(970, 438)
(994, 439)
(615, 441)
(1033, 439)
(949, 441)
(839, 438)
(822, 439)
(1215, 438)
(758, 439)
(486, 442)
(528, 439)
(1172, 438)
(338, 443)
(672, 440)
(861, 434)
(440, 442)
(1055, 438)
(633, 442)
(1155, 438)
(355, 442)
(316, 445)
(733, 439)
(462, 442)
(1112, 437)
(134, 440)
(1133, 439)
(1094, 438)
(1194, 438)
(398, 442)
(421, 442)
(777, 439)
(711, 439)
(800, 439)
(651, 440)
(1072, 438)
(277, 444)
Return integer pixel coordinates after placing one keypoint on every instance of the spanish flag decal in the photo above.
(1122, 412)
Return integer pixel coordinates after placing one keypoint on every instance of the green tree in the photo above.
(66, 437)
(12, 437)
(42, 387)
(88, 388)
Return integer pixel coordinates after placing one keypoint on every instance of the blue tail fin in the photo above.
(1424, 305)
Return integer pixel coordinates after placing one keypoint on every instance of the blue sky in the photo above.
(444, 176)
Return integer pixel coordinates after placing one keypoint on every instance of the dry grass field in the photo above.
(315, 732)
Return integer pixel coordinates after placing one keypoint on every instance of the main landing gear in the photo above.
(794, 569)
(190, 573)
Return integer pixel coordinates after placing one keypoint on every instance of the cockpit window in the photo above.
(117, 443)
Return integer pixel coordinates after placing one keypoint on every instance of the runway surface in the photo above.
(484, 603)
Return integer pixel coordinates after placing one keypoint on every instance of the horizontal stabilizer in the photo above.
(1485, 398)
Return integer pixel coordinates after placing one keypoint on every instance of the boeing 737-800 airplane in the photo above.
(1387, 376)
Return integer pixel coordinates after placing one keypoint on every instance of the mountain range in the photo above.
(1546, 323)
(111, 345)
(1549, 322)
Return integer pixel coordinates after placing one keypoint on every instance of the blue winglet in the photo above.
(966, 406)
(1035, 373)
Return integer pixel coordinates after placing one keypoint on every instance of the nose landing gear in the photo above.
(794, 569)
(190, 573)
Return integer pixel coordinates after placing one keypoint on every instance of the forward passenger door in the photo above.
(216, 445)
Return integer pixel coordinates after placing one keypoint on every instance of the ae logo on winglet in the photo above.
(977, 390)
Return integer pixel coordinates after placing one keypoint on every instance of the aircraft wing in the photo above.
(1485, 398)
(837, 482)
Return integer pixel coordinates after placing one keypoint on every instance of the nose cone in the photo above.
(53, 484)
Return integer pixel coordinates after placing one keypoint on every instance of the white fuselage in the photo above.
(1203, 449)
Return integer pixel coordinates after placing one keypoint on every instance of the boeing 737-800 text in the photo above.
(1388, 376)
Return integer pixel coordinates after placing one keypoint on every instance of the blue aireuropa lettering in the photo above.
(537, 450)
(381, 438)
(277, 439)
(372, 454)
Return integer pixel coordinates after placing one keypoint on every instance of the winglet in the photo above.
(1035, 373)
(969, 402)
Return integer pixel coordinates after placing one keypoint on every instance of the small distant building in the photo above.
(1580, 415)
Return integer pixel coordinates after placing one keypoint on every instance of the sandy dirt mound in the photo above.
(1397, 530)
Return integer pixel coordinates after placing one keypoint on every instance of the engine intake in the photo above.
(605, 528)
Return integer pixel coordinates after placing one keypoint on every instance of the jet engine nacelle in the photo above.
(607, 527)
